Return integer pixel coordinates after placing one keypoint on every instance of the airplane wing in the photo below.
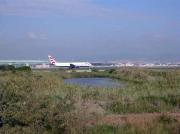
(73, 66)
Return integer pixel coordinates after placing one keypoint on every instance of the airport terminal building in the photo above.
(31, 63)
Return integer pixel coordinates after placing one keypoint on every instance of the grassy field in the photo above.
(40, 102)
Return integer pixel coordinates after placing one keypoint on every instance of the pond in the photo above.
(95, 82)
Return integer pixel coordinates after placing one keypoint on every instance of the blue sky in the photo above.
(90, 29)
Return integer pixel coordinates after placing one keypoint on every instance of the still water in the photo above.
(95, 82)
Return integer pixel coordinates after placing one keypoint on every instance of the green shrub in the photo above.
(24, 68)
(7, 67)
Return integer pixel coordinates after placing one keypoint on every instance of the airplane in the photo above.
(70, 65)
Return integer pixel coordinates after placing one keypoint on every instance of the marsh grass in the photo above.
(40, 101)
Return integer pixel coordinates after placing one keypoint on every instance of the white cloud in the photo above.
(32, 35)
(37, 36)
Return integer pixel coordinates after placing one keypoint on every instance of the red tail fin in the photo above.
(52, 60)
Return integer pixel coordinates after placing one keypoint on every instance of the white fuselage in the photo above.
(77, 64)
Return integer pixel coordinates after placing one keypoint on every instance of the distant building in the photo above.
(129, 64)
(19, 63)
(41, 66)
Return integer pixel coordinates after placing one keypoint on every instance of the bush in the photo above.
(111, 71)
(7, 67)
(24, 68)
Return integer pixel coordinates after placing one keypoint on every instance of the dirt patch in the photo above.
(92, 113)
(89, 107)
(89, 111)
(133, 119)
